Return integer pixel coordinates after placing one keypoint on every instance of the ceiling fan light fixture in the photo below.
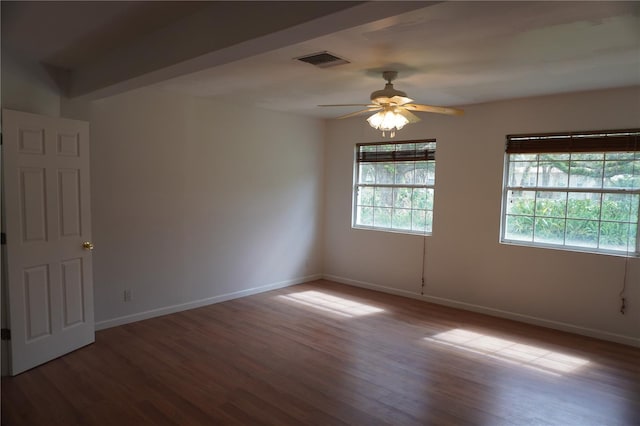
(387, 120)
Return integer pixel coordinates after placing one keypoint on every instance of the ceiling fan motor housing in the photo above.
(381, 96)
(387, 92)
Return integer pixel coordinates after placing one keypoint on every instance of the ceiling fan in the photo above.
(393, 108)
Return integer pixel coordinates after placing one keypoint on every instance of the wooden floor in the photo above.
(327, 354)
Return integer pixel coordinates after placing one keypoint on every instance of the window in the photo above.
(578, 191)
(394, 184)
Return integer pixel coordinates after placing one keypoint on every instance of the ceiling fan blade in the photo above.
(408, 115)
(340, 105)
(363, 111)
(436, 109)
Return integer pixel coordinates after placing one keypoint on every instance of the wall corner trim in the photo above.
(126, 319)
(556, 325)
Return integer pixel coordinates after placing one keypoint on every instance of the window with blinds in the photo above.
(574, 190)
(394, 186)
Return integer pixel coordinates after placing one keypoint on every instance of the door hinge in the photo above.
(3, 239)
(6, 334)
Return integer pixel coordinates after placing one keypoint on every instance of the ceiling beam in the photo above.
(220, 34)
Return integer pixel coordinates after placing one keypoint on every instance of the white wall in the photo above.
(466, 266)
(190, 204)
(194, 200)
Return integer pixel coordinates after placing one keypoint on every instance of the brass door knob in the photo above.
(87, 245)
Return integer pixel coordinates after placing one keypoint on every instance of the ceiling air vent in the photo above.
(322, 60)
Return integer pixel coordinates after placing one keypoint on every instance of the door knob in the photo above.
(87, 245)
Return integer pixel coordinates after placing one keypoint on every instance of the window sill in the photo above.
(390, 230)
(587, 250)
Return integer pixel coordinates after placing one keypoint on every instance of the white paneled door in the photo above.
(48, 230)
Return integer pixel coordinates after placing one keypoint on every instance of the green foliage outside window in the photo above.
(610, 223)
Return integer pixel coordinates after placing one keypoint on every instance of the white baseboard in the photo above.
(571, 328)
(139, 316)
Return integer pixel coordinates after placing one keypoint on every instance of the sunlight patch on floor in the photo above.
(525, 355)
(333, 304)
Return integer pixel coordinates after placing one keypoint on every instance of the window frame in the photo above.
(588, 142)
(430, 156)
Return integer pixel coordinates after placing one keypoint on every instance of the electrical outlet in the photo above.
(127, 295)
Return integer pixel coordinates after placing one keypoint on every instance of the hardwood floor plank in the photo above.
(322, 353)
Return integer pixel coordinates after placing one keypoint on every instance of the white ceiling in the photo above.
(447, 53)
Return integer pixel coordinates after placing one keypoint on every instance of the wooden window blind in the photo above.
(405, 151)
(567, 142)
